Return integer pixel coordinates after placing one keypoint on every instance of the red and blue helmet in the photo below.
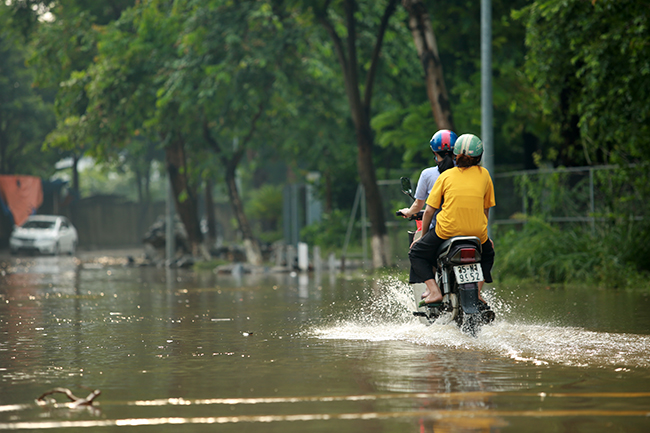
(443, 141)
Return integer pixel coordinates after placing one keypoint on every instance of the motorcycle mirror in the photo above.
(406, 186)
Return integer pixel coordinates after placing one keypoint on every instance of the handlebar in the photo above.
(417, 216)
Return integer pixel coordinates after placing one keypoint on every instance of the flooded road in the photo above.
(196, 352)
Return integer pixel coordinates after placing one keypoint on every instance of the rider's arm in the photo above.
(487, 217)
(415, 208)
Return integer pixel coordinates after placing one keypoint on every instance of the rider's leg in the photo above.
(427, 292)
(423, 259)
(487, 261)
(435, 295)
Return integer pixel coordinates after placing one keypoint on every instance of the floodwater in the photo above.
(183, 351)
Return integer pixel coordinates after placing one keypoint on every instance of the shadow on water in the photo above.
(176, 350)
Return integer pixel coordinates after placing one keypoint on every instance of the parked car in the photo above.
(45, 234)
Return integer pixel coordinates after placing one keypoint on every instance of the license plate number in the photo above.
(471, 273)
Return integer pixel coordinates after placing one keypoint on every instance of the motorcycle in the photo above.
(458, 273)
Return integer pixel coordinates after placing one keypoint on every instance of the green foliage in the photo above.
(405, 121)
(25, 114)
(547, 193)
(406, 129)
(544, 252)
(612, 249)
(264, 207)
(590, 61)
(550, 254)
(330, 232)
(262, 79)
(120, 179)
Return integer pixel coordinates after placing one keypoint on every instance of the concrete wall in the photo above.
(107, 221)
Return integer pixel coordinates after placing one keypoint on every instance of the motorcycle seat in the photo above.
(458, 242)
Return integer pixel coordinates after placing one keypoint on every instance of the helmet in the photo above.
(468, 144)
(443, 140)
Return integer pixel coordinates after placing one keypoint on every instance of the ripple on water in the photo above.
(389, 318)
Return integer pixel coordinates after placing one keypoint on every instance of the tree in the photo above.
(314, 105)
(591, 63)
(521, 130)
(135, 54)
(63, 34)
(341, 24)
(25, 117)
(227, 78)
(425, 42)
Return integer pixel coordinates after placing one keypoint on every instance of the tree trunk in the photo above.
(252, 247)
(138, 184)
(425, 43)
(75, 176)
(210, 215)
(569, 129)
(360, 111)
(531, 145)
(187, 207)
(380, 245)
(329, 206)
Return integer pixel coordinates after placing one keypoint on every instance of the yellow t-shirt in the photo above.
(467, 192)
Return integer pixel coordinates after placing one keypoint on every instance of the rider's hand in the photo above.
(405, 212)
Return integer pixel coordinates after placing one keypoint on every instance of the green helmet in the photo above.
(468, 144)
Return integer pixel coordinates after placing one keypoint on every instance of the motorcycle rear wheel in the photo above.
(471, 324)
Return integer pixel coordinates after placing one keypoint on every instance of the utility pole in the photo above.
(486, 88)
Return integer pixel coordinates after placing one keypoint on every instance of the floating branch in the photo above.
(76, 401)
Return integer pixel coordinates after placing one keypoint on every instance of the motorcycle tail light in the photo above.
(467, 255)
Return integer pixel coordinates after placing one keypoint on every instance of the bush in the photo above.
(551, 254)
(264, 208)
(330, 232)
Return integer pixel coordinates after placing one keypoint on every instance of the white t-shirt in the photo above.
(427, 178)
(425, 182)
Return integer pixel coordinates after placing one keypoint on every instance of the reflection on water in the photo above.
(296, 352)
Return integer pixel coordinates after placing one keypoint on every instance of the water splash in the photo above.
(389, 318)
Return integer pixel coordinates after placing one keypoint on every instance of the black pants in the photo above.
(424, 255)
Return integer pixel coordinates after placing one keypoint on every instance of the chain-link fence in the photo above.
(565, 195)
(579, 195)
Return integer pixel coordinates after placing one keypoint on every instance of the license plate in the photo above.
(471, 273)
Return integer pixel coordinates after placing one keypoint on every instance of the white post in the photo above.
(303, 256)
(291, 256)
(317, 261)
(331, 262)
(279, 254)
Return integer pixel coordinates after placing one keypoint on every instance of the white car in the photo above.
(45, 234)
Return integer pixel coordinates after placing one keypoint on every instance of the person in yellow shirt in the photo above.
(464, 194)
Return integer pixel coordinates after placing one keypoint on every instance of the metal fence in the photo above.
(570, 195)
(578, 195)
